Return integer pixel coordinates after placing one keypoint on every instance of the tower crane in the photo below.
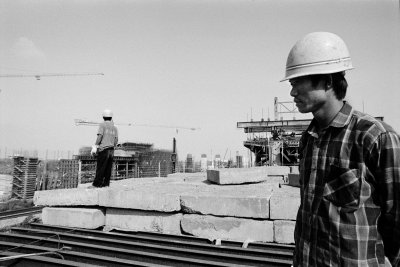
(81, 122)
(39, 75)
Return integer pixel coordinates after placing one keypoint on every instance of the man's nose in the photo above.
(293, 92)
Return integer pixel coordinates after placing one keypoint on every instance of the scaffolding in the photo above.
(155, 163)
(123, 168)
(24, 177)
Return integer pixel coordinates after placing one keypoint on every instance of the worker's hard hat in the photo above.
(107, 113)
(317, 53)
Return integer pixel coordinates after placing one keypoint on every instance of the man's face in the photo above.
(307, 97)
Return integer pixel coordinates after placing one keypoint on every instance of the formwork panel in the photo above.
(24, 177)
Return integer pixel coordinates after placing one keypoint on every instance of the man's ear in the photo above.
(329, 82)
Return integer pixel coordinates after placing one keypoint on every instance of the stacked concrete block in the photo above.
(278, 170)
(245, 207)
(74, 217)
(284, 231)
(237, 176)
(228, 228)
(147, 221)
(139, 200)
(67, 197)
(284, 203)
(261, 211)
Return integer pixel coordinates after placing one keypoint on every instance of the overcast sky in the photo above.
(203, 64)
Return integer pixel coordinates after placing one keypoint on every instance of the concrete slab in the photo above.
(135, 220)
(196, 176)
(73, 217)
(284, 203)
(278, 170)
(228, 228)
(245, 207)
(141, 200)
(284, 231)
(237, 175)
(67, 197)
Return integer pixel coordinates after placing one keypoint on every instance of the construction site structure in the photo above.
(24, 177)
(276, 142)
(131, 160)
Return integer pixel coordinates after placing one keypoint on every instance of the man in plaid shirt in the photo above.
(349, 165)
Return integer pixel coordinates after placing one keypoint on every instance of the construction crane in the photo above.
(79, 122)
(39, 75)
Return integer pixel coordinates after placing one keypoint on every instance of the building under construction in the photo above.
(275, 142)
(131, 160)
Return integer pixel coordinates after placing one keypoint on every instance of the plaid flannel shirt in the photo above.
(350, 193)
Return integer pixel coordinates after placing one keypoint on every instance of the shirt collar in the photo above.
(341, 119)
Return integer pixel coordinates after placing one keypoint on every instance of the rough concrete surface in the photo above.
(284, 231)
(74, 217)
(67, 197)
(136, 220)
(284, 203)
(246, 207)
(238, 176)
(135, 199)
(278, 170)
(228, 228)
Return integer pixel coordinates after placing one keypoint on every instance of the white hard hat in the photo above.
(107, 113)
(317, 53)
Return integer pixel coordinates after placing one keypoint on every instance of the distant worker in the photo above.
(107, 139)
(349, 213)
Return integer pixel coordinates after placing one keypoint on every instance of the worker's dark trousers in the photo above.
(104, 167)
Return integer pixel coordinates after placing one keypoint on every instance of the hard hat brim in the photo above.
(321, 68)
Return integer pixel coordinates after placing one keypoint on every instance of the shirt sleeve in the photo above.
(389, 190)
(116, 137)
(100, 132)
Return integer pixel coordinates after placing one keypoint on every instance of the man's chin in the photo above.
(303, 110)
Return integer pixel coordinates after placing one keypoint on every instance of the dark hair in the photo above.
(107, 118)
(339, 83)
